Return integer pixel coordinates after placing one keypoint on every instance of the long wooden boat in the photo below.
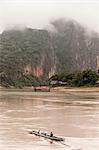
(47, 136)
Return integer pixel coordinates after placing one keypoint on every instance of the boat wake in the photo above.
(69, 143)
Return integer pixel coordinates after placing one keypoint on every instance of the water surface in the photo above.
(72, 115)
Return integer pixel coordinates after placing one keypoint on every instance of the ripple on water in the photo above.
(64, 113)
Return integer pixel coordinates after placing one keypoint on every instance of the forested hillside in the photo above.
(27, 51)
(42, 53)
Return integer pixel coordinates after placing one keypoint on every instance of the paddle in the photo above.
(65, 144)
(51, 142)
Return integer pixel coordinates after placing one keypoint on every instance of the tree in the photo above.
(89, 77)
(77, 78)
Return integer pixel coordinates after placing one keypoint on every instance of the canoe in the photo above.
(47, 136)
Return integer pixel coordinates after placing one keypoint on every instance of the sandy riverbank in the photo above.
(75, 89)
(57, 89)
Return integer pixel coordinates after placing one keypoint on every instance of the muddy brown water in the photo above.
(72, 115)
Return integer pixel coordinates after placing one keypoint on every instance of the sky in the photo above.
(39, 13)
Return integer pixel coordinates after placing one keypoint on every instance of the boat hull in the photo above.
(47, 136)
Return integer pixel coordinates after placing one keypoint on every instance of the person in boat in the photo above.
(51, 134)
(38, 131)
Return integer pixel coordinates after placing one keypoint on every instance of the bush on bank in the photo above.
(78, 78)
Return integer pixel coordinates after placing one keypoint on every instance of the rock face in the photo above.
(97, 64)
(75, 47)
(28, 51)
(42, 53)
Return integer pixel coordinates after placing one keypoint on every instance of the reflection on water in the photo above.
(72, 115)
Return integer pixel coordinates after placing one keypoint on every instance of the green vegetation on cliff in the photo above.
(29, 55)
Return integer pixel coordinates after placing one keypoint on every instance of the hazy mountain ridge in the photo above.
(75, 48)
(42, 53)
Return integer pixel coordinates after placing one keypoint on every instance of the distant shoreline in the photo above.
(57, 89)
(75, 89)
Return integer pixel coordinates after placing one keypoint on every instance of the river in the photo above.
(72, 115)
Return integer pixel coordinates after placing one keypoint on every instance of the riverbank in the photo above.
(75, 89)
(57, 89)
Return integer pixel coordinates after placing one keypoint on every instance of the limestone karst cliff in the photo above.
(42, 53)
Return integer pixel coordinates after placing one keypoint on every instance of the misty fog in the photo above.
(38, 13)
